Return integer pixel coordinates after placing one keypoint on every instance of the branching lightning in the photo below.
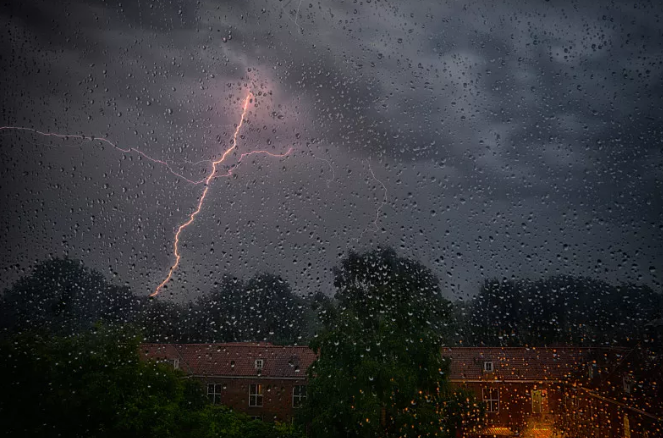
(105, 140)
(206, 180)
(333, 177)
(384, 200)
(379, 209)
(296, 13)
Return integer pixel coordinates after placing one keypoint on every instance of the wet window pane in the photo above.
(341, 218)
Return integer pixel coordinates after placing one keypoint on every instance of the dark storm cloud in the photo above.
(513, 139)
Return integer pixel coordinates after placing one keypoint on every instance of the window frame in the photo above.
(259, 364)
(627, 383)
(299, 397)
(256, 393)
(488, 364)
(490, 401)
(543, 407)
(216, 392)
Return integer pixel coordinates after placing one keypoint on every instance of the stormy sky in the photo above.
(508, 138)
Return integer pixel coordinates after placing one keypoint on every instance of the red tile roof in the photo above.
(234, 359)
(515, 363)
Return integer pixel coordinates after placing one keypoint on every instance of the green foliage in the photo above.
(61, 296)
(561, 309)
(380, 371)
(462, 410)
(261, 309)
(221, 422)
(64, 297)
(95, 385)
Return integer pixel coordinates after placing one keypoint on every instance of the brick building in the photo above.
(262, 380)
(616, 395)
(522, 388)
(565, 392)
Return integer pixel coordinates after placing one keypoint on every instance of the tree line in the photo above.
(69, 347)
(63, 296)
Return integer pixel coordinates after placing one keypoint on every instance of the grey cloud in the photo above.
(505, 133)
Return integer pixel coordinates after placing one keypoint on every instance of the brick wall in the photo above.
(515, 407)
(276, 400)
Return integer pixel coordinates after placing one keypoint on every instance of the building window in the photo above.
(258, 364)
(255, 395)
(627, 427)
(539, 401)
(175, 363)
(491, 396)
(488, 366)
(628, 383)
(214, 393)
(298, 395)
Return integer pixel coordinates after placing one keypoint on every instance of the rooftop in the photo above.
(235, 359)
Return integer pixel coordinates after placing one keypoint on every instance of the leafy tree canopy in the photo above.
(561, 309)
(62, 296)
(380, 371)
(94, 384)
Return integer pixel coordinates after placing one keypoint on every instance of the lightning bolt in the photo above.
(379, 209)
(333, 177)
(208, 180)
(296, 13)
(105, 140)
(384, 200)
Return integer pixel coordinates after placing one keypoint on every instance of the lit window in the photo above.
(255, 395)
(488, 366)
(298, 395)
(627, 427)
(491, 396)
(259, 363)
(214, 393)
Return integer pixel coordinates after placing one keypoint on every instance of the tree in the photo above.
(91, 384)
(380, 371)
(217, 314)
(262, 309)
(496, 314)
(94, 384)
(63, 296)
(562, 309)
(271, 311)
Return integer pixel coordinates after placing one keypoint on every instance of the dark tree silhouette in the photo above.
(380, 371)
(561, 309)
(63, 296)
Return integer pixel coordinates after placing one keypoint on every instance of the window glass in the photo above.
(491, 397)
(255, 395)
(298, 395)
(214, 392)
(363, 216)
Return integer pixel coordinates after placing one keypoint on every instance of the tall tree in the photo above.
(94, 385)
(61, 295)
(380, 371)
(562, 309)
(217, 312)
(270, 311)
(262, 309)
